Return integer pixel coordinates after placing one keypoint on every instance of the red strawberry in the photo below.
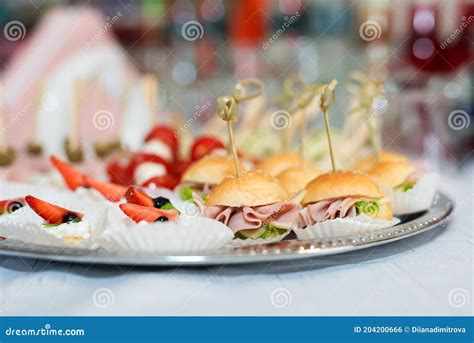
(137, 197)
(204, 145)
(165, 181)
(139, 158)
(167, 135)
(119, 173)
(110, 191)
(179, 167)
(11, 205)
(51, 213)
(73, 178)
(149, 214)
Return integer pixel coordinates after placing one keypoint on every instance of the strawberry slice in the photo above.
(11, 205)
(165, 181)
(148, 214)
(204, 145)
(137, 197)
(73, 178)
(110, 191)
(53, 214)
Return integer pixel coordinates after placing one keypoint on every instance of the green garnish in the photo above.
(269, 230)
(168, 206)
(405, 187)
(370, 208)
(186, 193)
(77, 220)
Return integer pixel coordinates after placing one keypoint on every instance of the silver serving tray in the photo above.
(285, 250)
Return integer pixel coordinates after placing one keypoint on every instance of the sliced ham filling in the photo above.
(281, 215)
(326, 210)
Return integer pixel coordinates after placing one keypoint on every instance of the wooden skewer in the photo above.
(34, 148)
(7, 154)
(227, 110)
(326, 100)
(150, 88)
(73, 147)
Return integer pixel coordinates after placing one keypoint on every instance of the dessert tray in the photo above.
(287, 249)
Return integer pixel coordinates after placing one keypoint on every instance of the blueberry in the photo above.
(69, 217)
(159, 202)
(15, 206)
(162, 219)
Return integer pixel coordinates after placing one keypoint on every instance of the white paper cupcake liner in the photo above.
(249, 242)
(417, 199)
(27, 226)
(343, 227)
(187, 236)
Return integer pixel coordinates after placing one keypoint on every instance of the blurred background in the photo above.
(422, 50)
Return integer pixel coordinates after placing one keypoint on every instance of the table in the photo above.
(429, 274)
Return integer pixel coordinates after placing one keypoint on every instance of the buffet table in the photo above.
(430, 273)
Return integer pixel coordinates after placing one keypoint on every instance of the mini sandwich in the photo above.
(203, 175)
(278, 163)
(394, 175)
(365, 164)
(343, 194)
(254, 206)
(295, 179)
(410, 187)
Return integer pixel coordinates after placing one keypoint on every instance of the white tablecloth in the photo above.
(429, 274)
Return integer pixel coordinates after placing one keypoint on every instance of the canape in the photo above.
(254, 205)
(408, 189)
(203, 175)
(342, 203)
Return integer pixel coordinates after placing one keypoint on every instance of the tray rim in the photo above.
(437, 214)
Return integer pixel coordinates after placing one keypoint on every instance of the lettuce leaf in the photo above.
(370, 208)
(405, 187)
(269, 230)
(186, 193)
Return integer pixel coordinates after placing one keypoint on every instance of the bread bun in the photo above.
(253, 188)
(341, 184)
(385, 212)
(295, 179)
(391, 174)
(365, 164)
(278, 163)
(210, 169)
